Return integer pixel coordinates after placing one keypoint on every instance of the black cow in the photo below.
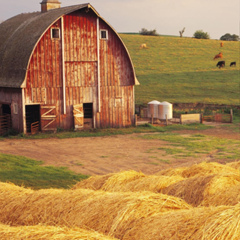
(232, 64)
(220, 64)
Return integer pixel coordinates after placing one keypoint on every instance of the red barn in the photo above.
(64, 68)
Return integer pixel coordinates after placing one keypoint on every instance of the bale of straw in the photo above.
(105, 212)
(219, 223)
(201, 169)
(49, 232)
(171, 172)
(235, 165)
(94, 182)
(128, 181)
(229, 197)
(223, 189)
(201, 190)
(118, 180)
(204, 168)
(191, 189)
(148, 183)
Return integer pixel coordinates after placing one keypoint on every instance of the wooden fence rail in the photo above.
(5, 123)
(221, 118)
(35, 127)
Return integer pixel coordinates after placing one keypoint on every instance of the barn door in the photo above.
(48, 118)
(78, 115)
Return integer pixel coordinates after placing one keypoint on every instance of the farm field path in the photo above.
(103, 155)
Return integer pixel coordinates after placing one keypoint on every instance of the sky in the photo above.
(167, 17)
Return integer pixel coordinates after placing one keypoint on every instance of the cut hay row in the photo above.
(128, 181)
(49, 232)
(105, 212)
(219, 223)
(197, 185)
(94, 182)
(235, 165)
(201, 190)
(201, 169)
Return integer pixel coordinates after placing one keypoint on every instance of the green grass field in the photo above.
(30, 173)
(182, 70)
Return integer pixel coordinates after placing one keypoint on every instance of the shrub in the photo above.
(229, 37)
(199, 34)
(144, 31)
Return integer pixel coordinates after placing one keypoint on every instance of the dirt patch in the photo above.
(102, 155)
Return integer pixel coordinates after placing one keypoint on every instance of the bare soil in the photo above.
(102, 155)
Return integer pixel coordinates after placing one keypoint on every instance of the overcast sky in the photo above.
(168, 17)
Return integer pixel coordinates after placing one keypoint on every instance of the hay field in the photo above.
(197, 202)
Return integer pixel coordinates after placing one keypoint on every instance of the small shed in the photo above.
(64, 68)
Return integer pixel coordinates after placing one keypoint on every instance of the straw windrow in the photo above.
(126, 211)
(49, 232)
(104, 212)
(201, 169)
(219, 223)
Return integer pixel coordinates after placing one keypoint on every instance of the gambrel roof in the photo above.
(19, 36)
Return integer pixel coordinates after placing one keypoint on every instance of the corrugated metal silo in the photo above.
(153, 109)
(165, 108)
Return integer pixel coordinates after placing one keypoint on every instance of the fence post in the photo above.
(166, 120)
(181, 119)
(151, 119)
(231, 116)
(135, 120)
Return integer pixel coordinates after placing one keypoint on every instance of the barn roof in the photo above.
(18, 38)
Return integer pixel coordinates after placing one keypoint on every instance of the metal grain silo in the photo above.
(165, 111)
(153, 109)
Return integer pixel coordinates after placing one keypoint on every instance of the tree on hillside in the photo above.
(181, 32)
(229, 37)
(144, 31)
(199, 34)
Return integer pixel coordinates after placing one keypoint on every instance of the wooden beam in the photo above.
(63, 68)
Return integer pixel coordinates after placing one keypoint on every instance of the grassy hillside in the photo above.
(182, 70)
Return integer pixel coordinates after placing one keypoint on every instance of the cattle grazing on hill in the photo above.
(220, 55)
(233, 64)
(220, 64)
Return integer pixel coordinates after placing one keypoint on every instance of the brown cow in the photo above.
(221, 44)
(218, 56)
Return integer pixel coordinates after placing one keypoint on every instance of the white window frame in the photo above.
(59, 35)
(106, 31)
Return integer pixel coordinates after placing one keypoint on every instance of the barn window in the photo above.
(104, 34)
(55, 33)
(15, 108)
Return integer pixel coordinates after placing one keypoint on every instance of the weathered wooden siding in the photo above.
(117, 80)
(13, 97)
(44, 77)
(80, 59)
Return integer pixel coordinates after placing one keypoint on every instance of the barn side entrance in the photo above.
(83, 116)
(32, 118)
(88, 115)
(5, 118)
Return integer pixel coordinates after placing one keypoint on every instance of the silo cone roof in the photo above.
(165, 103)
(154, 102)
